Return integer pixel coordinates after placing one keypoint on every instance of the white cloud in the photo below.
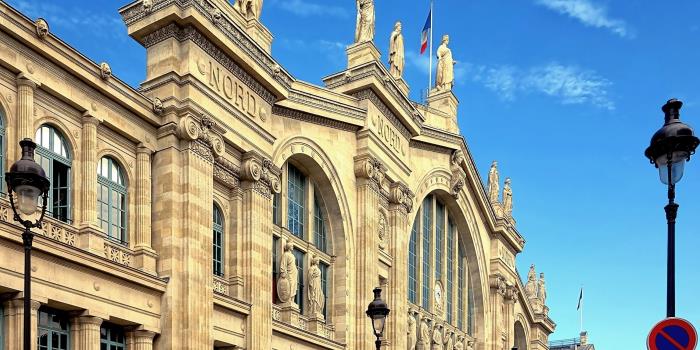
(588, 13)
(74, 19)
(305, 8)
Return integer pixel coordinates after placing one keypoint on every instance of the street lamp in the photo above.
(28, 181)
(669, 149)
(377, 311)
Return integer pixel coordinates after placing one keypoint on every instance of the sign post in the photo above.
(672, 334)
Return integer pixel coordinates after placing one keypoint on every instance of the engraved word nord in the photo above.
(228, 86)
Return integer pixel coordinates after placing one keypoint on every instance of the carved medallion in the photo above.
(382, 230)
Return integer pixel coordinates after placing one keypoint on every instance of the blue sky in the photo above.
(565, 94)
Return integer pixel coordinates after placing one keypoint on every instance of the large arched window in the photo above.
(218, 242)
(52, 151)
(436, 263)
(111, 199)
(307, 228)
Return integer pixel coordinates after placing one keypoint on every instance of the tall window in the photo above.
(413, 262)
(111, 199)
(440, 258)
(53, 331)
(309, 231)
(52, 152)
(427, 223)
(112, 337)
(470, 307)
(295, 192)
(218, 241)
(3, 149)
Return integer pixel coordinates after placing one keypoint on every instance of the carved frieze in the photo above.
(311, 118)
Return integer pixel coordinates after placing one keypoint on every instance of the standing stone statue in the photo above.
(250, 8)
(437, 338)
(531, 285)
(493, 183)
(445, 66)
(411, 332)
(425, 335)
(507, 198)
(542, 293)
(459, 344)
(397, 58)
(365, 21)
(449, 341)
(288, 276)
(316, 298)
(470, 345)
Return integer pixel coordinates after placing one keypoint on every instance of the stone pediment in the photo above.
(218, 27)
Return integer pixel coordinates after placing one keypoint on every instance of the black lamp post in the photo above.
(27, 180)
(378, 311)
(669, 149)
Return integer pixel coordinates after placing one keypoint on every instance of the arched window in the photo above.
(52, 152)
(306, 228)
(218, 242)
(111, 199)
(435, 248)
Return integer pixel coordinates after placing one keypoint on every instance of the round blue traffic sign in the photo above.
(672, 334)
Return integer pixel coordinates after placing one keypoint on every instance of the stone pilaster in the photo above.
(25, 111)
(13, 323)
(182, 211)
(140, 340)
(401, 203)
(85, 332)
(91, 236)
(144, 255)
(369, 173)
(259, 182)
(497, 297)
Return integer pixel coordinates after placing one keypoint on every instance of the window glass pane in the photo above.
(324, 286)
(275, 267)
(439, 239)
(460, 290)
(450, 269)
(319, 226)
(299, 299)
(45, 137)
(427, 224)
(296, 188)
(413, 262)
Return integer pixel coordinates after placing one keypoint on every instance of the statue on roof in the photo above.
(507, 199)
(445, 67)
(531, 285)
(542, 293)
(364, 30)
(397, 58)
(250, 8)
(494, 186)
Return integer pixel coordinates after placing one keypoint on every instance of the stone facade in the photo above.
(219, 129)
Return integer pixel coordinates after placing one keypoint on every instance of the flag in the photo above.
(426, 32)
(580, 299)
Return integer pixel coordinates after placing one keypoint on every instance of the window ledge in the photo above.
(295, 324)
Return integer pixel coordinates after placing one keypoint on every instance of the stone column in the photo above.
(182, 221)
(498, 288)
(91, 235)
(25, 111)
(144, 255)
(85, 332)
(13, 323)
(259, 181)
(369, 172)
(140, 340)
(399, 231)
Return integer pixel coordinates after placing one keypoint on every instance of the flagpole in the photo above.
(581, 311)
(430, 67)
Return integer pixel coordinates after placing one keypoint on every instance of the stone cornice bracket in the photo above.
(371, 168)
(401, 195)
(205, 139)
(498, 282)
(262, 172)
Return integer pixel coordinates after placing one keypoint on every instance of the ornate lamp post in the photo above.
(669, 149)
(378, 311)
(27, 180)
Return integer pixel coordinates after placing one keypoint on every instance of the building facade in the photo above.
(226, 204)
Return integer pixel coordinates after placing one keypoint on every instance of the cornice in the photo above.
(326, 105)
(136, 11)
(312, 118)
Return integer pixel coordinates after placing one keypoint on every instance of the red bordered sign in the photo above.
(672, 334)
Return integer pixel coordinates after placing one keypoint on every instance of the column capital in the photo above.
(142, 335)
(143, 148)
(260, 170)
(25, 80)
(89, 118)
(87, 320)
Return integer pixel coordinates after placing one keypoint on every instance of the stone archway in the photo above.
(519, 337)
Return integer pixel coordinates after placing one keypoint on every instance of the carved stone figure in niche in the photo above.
(459, 344)
(316, 297)
(531, 285)
(449, 341)
(397, 58)
(493, 183)
(411, 332)
(250, 8)
(365, 21)
(507, 198)
(542, 293)
(42, 28)
(425, 335)
(445, 67)
(382, 230)
(288, 276)
(437, 338)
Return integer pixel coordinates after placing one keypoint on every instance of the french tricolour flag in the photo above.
(426, 32)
